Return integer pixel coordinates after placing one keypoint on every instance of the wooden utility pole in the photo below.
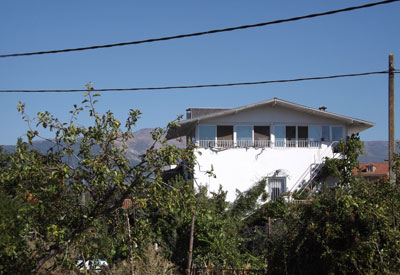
(392, 140)
(126, 204)
(189, 266)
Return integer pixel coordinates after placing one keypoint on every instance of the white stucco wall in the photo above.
(240, 168)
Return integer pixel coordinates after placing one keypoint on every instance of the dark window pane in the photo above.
(290, 132)
(225, 132)
(261, 133)
(303, 132)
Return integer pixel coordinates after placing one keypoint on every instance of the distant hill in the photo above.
(376, 151)
(137, 146)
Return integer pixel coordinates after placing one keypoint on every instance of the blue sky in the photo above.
(351, 42)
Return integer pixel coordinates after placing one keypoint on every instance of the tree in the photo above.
(348, 229)
(72, 194)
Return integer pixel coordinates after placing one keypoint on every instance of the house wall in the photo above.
(240, 168)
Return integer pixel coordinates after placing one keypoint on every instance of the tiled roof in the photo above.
(379, 169)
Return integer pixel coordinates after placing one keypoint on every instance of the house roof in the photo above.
(200, 112)
(379, 169)
(187, 124)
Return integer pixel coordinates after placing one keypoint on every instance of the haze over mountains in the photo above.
(376, 151)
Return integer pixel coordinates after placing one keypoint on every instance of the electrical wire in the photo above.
(198, 86)
(201, 33)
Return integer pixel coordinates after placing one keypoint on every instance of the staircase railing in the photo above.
(312, 170)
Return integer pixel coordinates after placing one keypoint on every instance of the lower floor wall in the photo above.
(240, 168)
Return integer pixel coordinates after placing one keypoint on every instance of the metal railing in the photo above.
(279, 143)
(312, 170)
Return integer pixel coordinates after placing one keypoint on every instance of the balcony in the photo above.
(281, 143)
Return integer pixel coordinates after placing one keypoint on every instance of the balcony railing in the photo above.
(293, 143)
(225, 143)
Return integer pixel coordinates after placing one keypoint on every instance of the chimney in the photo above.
(323, 108)
(188, 113)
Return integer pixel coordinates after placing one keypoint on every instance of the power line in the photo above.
(198, 86)
(201, 33)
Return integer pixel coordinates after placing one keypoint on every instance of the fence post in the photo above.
(269, 226)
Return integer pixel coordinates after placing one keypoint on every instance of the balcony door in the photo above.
(290, 136)
(225, 136)
(261, 136)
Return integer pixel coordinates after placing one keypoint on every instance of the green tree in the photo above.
(348, 229)
(72, 195)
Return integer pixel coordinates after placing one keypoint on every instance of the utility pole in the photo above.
(392, 141)
(190, 256)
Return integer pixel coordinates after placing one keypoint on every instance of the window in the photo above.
(314, 133)
(207, 135)
(370, 168)
(261, 136)
(302, 136)
(276, 186)
(244, 136)
(326, 136)
(225, 136)
(337, 133)
(279, 136)
(291, 136)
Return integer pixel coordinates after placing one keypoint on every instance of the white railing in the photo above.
(262, 143)
(280, 143)
(253, 143)
(225, 143)
(244, 143)
(312, 170)
(206, 143)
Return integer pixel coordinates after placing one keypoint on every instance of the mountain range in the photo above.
(375, 151)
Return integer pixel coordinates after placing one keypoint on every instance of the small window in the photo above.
(370, 168)
(276, 187)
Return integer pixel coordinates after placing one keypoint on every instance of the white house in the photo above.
(274, 139)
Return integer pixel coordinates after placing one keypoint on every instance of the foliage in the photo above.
(152, 262)
(342, 167)
(72, 195)
(350, 229)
